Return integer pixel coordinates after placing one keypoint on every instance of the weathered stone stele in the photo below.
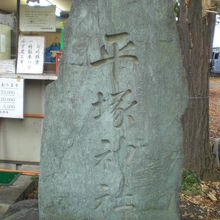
(112, 137)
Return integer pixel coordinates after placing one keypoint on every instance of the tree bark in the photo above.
(195, 34)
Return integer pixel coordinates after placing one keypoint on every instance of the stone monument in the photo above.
(112, 137)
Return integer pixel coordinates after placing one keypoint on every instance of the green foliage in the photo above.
(35, 180)
(191, 182)
(176, 9)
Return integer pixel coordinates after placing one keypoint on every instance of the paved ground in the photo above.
(13, 193)
(19, 190)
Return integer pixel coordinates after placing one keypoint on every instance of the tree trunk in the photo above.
(195, 34)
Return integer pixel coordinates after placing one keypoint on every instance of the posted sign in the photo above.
(11, 98)
(30, 54)
(37, 19)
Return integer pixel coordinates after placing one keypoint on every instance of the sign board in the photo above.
(11, 98)
(30, 54)
(37, 19)
(7, 66)
(8, 19)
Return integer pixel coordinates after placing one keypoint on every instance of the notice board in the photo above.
(37, 19)
(11, 98)
(30, 54)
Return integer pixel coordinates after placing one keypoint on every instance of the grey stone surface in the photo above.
(21, 205)
(10, 194)
(25, 214)
(112, 136)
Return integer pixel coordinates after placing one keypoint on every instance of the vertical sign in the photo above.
(30, 54)
(11, 98)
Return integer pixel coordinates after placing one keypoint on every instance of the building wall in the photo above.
(20, 139)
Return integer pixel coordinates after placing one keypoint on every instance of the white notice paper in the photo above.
(11, 98)
(8, 20)
(37, 19)
(30, 54)
(7, 66)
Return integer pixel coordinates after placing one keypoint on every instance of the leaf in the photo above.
(212, 197)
